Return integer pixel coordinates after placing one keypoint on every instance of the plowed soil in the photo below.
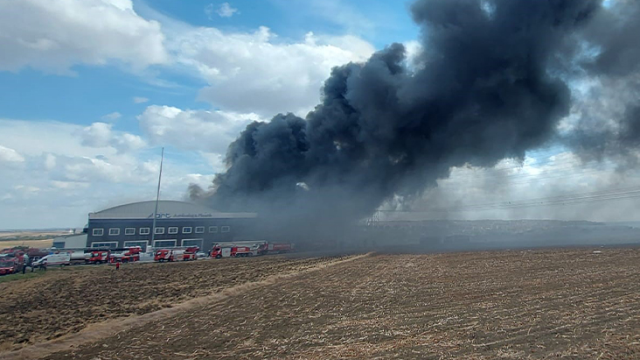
(573, 304)
(65, 301)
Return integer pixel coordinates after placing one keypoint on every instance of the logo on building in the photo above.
(180, 216)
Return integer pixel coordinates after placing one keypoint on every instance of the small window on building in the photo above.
(130, 231)
(110, 244)
(173, 230)
(58, 244)
(192, 242)
(159, 231)
(213, 229)
(145, 231)
(199, 229)
(98, 232)
(114, 232)
(164, 244)
(187, 230)
(225, 229)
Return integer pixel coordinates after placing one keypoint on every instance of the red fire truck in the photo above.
(127, 255)
(11, 262)
(8, 266)
(220, 251)
(187, 254)
(99, 257)
(258, 248)
(279, 248)
(243, 251)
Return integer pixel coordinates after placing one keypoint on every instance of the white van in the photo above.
(54, 259)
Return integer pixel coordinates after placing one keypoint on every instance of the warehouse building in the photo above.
(71, 241)
(178, 224)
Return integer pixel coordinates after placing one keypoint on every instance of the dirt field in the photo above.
(573, 304)
(67, 300)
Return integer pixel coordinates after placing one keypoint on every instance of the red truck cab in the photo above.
(220, 252)
(163, 255)
(99, 256)
(8, 267)
(189, 253)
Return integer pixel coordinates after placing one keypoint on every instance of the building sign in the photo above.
(180, 216)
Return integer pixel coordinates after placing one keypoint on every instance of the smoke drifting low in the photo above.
(494, 81)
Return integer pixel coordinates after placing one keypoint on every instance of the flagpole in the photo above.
(155, 212)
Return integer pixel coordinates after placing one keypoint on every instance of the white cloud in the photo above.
(254, 73)
(49, 161)
(100, 135)
(37, 138)
(225, 10)
(29, 190)
(209, 131)
(414, 50)
(66, 185)
(9, 155)
(139, 100)
(473, 193)
(57, 180)
(100, 170)
(97, 135)
(214, 160)
(54, 35)
(128, 142)
(112, 116)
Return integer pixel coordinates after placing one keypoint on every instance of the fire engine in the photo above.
(8, 266)
(220, 252)
(234, 251)
(99, 257)
(128, 255)
(258, 248)
(244, 251)
(279, 248)
(187, 254)
(11, 262)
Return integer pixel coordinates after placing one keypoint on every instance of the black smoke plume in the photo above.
(492, 81)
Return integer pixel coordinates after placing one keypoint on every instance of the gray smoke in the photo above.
(493, 82)
(608, 116)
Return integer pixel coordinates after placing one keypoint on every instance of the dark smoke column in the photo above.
(487, 86)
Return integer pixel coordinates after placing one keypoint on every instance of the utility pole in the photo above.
(155, 212)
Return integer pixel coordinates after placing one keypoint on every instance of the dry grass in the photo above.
(573, 304)
(38, 244)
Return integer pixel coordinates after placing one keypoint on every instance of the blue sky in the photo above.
(91, 89)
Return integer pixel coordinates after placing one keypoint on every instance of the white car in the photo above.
(202, 255)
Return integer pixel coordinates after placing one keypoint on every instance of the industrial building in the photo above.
(178, 224)
(71, 241)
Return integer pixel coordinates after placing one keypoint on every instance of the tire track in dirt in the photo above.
(108, 328)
